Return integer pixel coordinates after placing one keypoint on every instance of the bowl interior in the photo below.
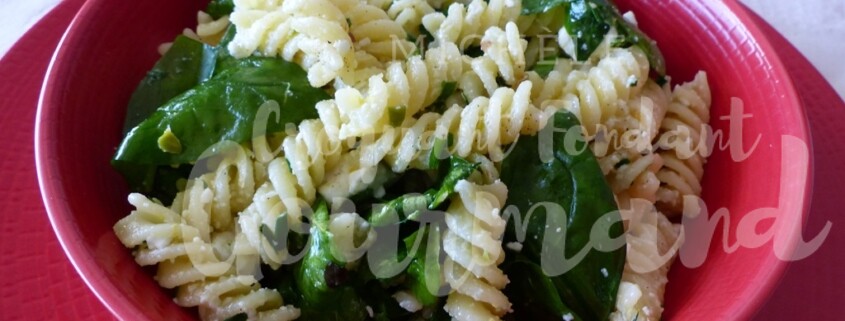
(110, 46)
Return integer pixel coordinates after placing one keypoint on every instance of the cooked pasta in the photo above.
(409, 14)
(210, 30)
(473, 249)
(653, 243)
(465, 24)
(406, 87)
(504, 56)
(313, 33)
(683, 131)
(596, 95)
(481, 128)
(227, 296)
(376, 33)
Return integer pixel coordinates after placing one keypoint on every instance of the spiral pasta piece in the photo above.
(632, 175)
(504, 55)
(408, 87)
(409, 14)
(465, 24)
(376, 33)
(290, 186)
(684, 142)
(652, 245)
(473, 249)
(597, 95)
(227, 296)
(312, 33)
(210, 31)
(189, 239)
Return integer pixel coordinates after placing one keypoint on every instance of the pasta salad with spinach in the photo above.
(411, 160)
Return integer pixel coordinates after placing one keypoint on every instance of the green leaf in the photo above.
(179, 70)
(424, 269)
(220, 8)
(540, 6)
(571, 179)
(220, 109)
(544, 303)
(409, 206)
(323, 285)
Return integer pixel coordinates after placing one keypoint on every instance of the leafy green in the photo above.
(181, 68)
(545, 304)
(570, 178)
(588, 22)
(410, 206)
(322, 283)
(540, 6)
(219, 8)
(220, 109)
(424, 269)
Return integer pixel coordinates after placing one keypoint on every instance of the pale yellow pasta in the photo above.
(684, 134)
(596, 95)
(473, 249)
(408, 87)
(465, 24)
(313, 33)
(224, 297)
(652, 244)
(409, 14)
(376, 33)
(209, 30)
(504, 55)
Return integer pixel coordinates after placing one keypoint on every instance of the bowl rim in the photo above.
(68, 238)
(82, 260)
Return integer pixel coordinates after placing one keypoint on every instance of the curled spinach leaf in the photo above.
(219, 109)
(324, 286)
(572, 180)
(410, 206)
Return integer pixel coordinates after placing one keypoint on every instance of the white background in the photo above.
(816, 27)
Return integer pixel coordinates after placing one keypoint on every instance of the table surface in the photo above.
(815, 27)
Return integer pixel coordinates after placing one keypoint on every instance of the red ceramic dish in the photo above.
(109, 46)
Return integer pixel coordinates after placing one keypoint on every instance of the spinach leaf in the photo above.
(219, 8)
(545, 303)
(588, 22)
(424, 270)
(411, 206)
(180, 69)
(220, 109)
(571, 179)
(322, 283)
(540, 6)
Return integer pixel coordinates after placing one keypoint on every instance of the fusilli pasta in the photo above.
(652, 244)
(222, 298)
(684, 133)
(473, 249)
(465, 24)
(408, 87)
(313, 33)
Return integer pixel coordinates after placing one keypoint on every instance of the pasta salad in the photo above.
(412, 160)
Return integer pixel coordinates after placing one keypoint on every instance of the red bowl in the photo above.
(110, 45)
